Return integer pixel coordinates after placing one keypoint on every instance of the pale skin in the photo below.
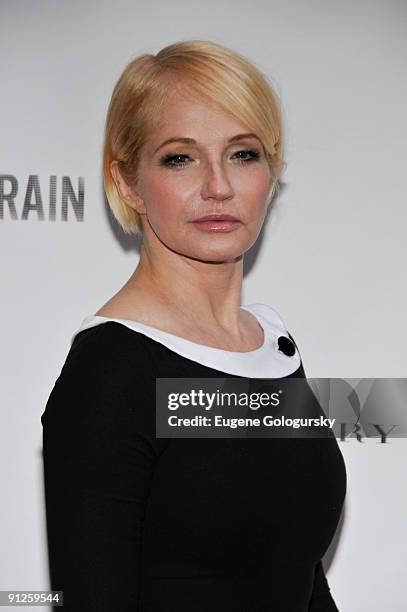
(188, 282)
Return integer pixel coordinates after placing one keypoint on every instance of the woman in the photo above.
(140, 522)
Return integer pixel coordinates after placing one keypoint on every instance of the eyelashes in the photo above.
(171, 160)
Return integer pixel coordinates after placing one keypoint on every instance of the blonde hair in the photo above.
(210, 69)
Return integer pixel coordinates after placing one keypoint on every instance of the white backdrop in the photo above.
(331, 259)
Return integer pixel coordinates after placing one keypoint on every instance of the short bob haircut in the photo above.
(211, 70)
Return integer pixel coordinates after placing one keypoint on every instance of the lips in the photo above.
(217, 224)
(220, 217)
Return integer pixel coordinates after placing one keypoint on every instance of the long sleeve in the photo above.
(321, 599)
(138, 522)
(98, 464)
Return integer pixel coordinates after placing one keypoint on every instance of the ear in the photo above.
(126, 192)
(270, 192)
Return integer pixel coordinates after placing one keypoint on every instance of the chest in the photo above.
(250, 501)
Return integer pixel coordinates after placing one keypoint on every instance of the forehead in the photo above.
(190, 114)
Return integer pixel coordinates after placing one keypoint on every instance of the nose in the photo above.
(216, 183)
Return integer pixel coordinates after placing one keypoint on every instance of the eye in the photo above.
(170, 160)
(176, 160)
(253, 153)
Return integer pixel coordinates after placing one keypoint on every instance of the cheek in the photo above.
(169, 198)
(166, 201)
(254, 191)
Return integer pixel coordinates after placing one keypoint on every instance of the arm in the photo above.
(98, 464)
(321, 599)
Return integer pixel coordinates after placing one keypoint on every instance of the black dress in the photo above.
(140, 523)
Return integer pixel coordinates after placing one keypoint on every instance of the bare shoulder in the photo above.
(134, 307)
(118, 308)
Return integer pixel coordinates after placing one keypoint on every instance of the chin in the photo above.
(215, 254)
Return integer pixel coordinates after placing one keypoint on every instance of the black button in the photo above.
(286, 346)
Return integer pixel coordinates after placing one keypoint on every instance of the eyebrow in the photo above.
(192, 141)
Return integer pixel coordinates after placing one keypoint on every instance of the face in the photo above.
(215, 170)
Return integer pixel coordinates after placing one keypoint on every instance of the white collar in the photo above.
(265, 362)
